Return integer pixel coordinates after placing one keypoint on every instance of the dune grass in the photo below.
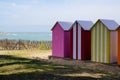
(20, 65)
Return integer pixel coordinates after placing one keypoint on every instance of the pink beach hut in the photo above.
(61, 39)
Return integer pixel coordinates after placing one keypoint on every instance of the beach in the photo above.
(19, 58)
(22, 64)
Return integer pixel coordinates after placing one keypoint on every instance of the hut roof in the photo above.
(86, 25)
(110, 24)
(64, 25)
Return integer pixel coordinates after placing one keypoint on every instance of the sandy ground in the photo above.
(44, 55)
(109, 68)
(41, 54)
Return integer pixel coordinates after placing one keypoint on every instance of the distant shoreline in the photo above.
(22, 40)
(3, 32)
(34, 36)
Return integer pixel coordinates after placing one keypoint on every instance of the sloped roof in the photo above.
(110, 24)
(64, 25)
(86, 25)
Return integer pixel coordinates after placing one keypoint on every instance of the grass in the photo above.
(20, 65)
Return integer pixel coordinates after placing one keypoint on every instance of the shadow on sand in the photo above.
(41, 70)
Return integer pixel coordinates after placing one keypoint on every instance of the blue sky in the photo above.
(41, 15)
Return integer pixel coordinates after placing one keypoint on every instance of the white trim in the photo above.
(79, 42)
(74, 42)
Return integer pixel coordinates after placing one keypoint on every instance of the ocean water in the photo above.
(38, 36)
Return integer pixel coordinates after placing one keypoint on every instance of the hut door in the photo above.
(76, 42)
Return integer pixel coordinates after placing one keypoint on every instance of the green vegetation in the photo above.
(17, 67)
(42, 45)
(6, 44)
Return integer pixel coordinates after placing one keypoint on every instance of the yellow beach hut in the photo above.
(104, 41)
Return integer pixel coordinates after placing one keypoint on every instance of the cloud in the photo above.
(47, 12)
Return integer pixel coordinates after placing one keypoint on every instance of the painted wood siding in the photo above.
(71, 43)
(58, 41)
(67, 44)
(76, 42)
(85, 44)
(113, 46)
(80, 43)
(119, 46)
(100, 43)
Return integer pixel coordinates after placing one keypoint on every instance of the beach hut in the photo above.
(104, 41)
(119, 45)
(80, 40)
(61, 39)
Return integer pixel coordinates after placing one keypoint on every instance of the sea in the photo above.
(32, 36)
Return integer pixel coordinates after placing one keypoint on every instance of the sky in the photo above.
(41, 15)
